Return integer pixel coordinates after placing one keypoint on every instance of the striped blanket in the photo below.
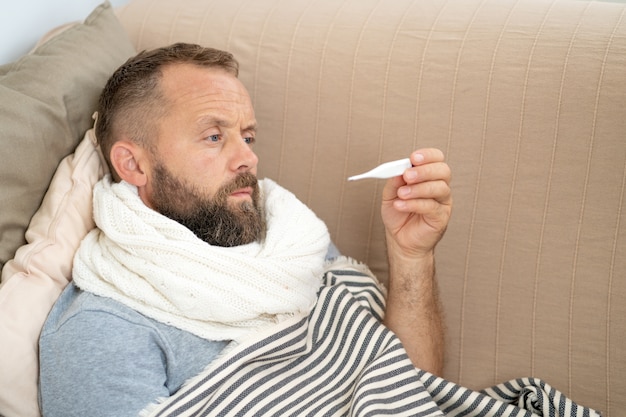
(341, 361)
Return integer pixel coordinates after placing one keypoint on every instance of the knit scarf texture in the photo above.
(161, 269)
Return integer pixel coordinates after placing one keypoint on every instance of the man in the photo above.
(192, 254)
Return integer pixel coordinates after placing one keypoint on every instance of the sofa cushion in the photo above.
(46, 101)
(527, 100)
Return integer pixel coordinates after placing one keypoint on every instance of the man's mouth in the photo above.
(242, 193)
(243, 187)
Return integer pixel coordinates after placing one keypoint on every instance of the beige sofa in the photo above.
(527, 98)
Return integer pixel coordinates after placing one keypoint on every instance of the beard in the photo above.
(211, 219)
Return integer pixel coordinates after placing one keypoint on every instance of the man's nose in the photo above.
(244, 158)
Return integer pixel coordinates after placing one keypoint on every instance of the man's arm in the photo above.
(415, 209)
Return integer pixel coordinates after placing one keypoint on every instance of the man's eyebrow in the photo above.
(251, 127)
(207, 121)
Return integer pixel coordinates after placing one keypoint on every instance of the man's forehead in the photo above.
(186, 78)
(188, 85)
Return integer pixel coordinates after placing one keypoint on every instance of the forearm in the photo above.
(414, 312)
(415, 209)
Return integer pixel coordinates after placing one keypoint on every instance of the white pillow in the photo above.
(32, 281)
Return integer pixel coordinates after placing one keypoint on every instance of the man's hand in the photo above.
(416, 208)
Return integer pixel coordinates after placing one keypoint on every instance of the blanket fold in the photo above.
(341, 361)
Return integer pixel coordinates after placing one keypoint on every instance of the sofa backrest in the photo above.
(527, 98)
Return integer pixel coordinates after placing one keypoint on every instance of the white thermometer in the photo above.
(386, 170)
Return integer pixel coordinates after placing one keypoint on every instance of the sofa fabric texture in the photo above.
(527, 98)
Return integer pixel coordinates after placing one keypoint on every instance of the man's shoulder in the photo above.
(76, 304)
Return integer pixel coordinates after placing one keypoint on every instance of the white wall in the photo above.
(23, 22)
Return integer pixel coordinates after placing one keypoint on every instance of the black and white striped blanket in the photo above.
(341, 361)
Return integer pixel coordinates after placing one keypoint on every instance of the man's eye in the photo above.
(249, 140)
(214, 138)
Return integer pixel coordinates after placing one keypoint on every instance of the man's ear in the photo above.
(130, 162)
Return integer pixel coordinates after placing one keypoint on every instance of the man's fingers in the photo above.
(438, 190)
(427, 156)
(433, 171)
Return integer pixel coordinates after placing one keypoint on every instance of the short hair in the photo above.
(132, 98)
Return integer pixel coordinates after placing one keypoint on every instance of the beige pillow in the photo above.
(40, 270)
(46, 102)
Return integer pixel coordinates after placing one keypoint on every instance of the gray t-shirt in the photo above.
(99, 357)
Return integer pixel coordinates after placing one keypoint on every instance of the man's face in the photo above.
(203, 170)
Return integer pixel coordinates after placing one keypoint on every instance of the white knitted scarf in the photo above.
(161, 269)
